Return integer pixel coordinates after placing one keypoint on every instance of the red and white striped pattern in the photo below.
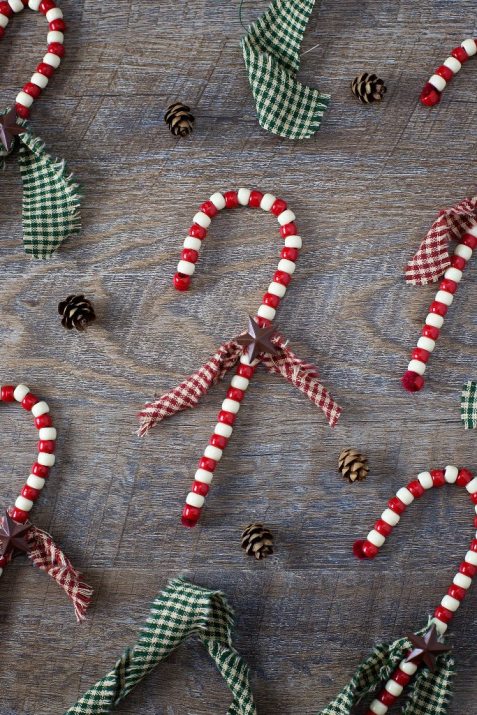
(413, 379)
(462, 581)
(432, 91)
(55, 52)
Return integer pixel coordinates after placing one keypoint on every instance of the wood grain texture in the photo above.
(365, 190)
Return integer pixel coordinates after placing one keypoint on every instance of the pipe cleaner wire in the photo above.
(260, 344)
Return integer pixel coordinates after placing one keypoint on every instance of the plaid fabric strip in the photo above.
(182, 610)
(271, 51)
(468, 405)
(432, 257)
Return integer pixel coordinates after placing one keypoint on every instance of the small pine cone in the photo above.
(76, 311)
(179, 119)
(353, 465)
(257, 541)
(368, 88)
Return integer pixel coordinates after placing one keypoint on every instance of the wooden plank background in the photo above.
(365, 190)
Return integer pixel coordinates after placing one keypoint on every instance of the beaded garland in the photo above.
(432, 91)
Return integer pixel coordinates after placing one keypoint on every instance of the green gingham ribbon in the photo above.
(468, 405)
(271, 50)
(429, 693)
(180, 611)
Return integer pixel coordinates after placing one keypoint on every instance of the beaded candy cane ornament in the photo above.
(261, 344)
(432, 91)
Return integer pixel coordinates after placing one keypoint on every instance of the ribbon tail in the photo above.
(431, 693)
(51, 199)
(48, 557)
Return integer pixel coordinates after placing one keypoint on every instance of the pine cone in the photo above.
(257, 541)
(353, 465)
(179, 119)
(76, 311)
(368, 88)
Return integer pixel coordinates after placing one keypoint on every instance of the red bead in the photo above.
(5, 9)
(22, 112)
(217, 440)
(7, 393)
(29, 400)
(278, 206)
(56, 48)
(473, 497)
(208, 464)
(32, 89)
(383, 528)
(40, 470)
(209, 209)
(386, 698)
(43, 421)
(396, 505)
(438, 308)
(188, 254)
(245, 371)
(416, 489)
(231, 199)
(469, 240)
(197, 231)
(444, 72)
(438, 478)
(46, 70)
(464, 477)
(401, 677)
(369, 550)
(475, 522)
(430, 96)
(429, 331)
(18, 515)
(46, 5)
(228, 418)
(57, 25)
(412, 382)
(181, 281)
(458, 262)
(270, 299)
(443, 614)
(456, 592)
(30, 493)
(263, 322)
(233, 393)
(460, 54)
(2, 32)
(291, 254)
(420, 354)
(3, 561)
(255, 199)
(289, 229)
(282, 278)
(200, 488)
(46, 445)
(358, 549)
(473, 545)
(448, 285)
(467, 569)
(190, 516)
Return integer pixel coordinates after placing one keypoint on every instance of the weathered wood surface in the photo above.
(365, 189)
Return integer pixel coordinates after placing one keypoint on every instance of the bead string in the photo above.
(432, 91)
(265, 314)
(412, 379)
(462, 581)
(51, 61)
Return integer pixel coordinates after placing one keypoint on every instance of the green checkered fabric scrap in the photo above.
(468, 405)
(429, 693)
(180, 611)
(271, 50)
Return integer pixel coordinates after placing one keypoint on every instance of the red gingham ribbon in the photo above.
(301, 374)
(432, 258)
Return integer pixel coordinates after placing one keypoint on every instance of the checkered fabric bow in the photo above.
(432, 258)
(468, 405)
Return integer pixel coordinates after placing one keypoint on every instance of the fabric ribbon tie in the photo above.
(48, 557)
(301, 374)
(271, 50)
(432, 259)
(468, 405)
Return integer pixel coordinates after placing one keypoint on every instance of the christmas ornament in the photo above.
(179, 119)
(17, 534)
(268, 346)
(431, 93)
(468, 405)
(77, 312)
(271, 50)
(181, 611)
(368, 88)
(257, 541)
(51, 198)
(420, 660)
(431, 261)
(353, 465)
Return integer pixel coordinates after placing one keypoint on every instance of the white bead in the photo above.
(286, 216)
(378, 707)
(41, 408)
(243, 196)
(405, 495)
(451, 603)
(218, 200)
(453, 274)
(277, 289)
(16, 5)
(47, 433)
(20, 392)
(425, 480)
(55, 36)
(3, 20)
(194, 499)
(390, 517)
(239, 382)
(286, 266)
(437, 321)
(426, 343)
(376, 538)
(469, 46)
(472, 486)
(471, 558)
(393, 688)
(293, 242)
(407, 667)
(47, 460)
(473, 230)
(441, 627)
(52, 60)
(267, 202)
(462, 580)
(463, 251)
(35, 482)
(266, 311)
(438, 82)
(54, 14)
(417, 366)
(1, 571)
(186, 267)
(223, 430)
(202, 475)
(194, 243)
(453, 64)
(451, 474)
(202, 219)
(213, 452)
(22, 503)
(24, 98)
(230, 405)
(244, 359)
(34, 4)
(39, 79)
(443, 296)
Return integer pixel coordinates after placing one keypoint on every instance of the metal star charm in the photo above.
(257, 340)
(426, 648)
(9, 129)
(13, 536)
